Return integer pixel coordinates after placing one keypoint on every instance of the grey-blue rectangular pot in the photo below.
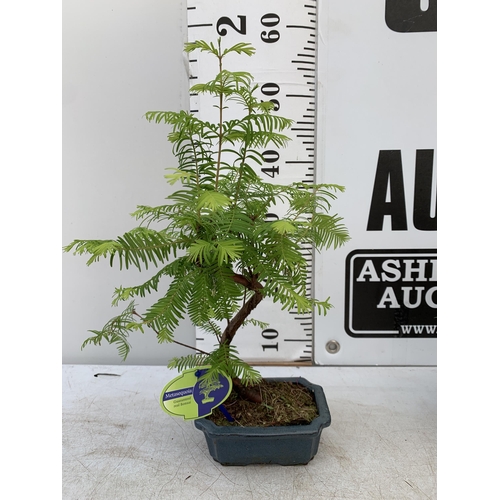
(284, 445)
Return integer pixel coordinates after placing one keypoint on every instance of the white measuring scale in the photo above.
(284, 66)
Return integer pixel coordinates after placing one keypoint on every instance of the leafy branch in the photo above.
(213, 242)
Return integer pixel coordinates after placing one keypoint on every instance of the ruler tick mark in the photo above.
(300, 27)
(301, 56)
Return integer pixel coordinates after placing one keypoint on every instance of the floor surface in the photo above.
(118, 444)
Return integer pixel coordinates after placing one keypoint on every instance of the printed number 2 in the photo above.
(226, 20)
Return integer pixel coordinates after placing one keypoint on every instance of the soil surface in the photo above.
(283, 403)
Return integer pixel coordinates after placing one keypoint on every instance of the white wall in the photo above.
(121, 58)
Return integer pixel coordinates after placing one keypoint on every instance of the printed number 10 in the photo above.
(270, 334)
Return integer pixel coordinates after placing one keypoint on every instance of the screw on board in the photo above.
(332, 346)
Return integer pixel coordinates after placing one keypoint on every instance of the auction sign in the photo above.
(376, 135)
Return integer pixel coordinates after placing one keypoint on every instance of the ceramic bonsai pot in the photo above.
(286, 445)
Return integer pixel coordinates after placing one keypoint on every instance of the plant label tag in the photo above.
(189, 397)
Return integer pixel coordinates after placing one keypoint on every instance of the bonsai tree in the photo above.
(213, 239)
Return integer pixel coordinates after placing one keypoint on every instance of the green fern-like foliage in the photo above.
(223, 359)
(116, 331)
(217, 246)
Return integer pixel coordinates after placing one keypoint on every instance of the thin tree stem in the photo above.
(221, 102)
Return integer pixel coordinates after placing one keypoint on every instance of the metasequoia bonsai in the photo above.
(212, 239)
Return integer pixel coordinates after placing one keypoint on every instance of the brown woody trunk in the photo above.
(240, 317)
(234, 325)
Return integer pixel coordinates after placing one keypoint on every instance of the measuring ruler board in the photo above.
(283, 33)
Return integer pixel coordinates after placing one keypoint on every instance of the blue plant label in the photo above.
(192, 397)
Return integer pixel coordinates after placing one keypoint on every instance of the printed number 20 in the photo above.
(226, 20)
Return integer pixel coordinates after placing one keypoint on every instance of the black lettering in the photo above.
(270, 88)
(227, 21)
(271, 217)
(270, 20)
(407, 16)
(389, 177)
(270, 37)
(422, 219)
(270, 346)
(270, 156)
(271, 171)
(270, 333)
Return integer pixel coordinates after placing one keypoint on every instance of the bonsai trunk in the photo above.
(246, 308)
(236, 322)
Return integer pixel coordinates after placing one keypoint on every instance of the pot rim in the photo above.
(321, 421)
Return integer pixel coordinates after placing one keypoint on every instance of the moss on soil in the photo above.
(283, 403)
